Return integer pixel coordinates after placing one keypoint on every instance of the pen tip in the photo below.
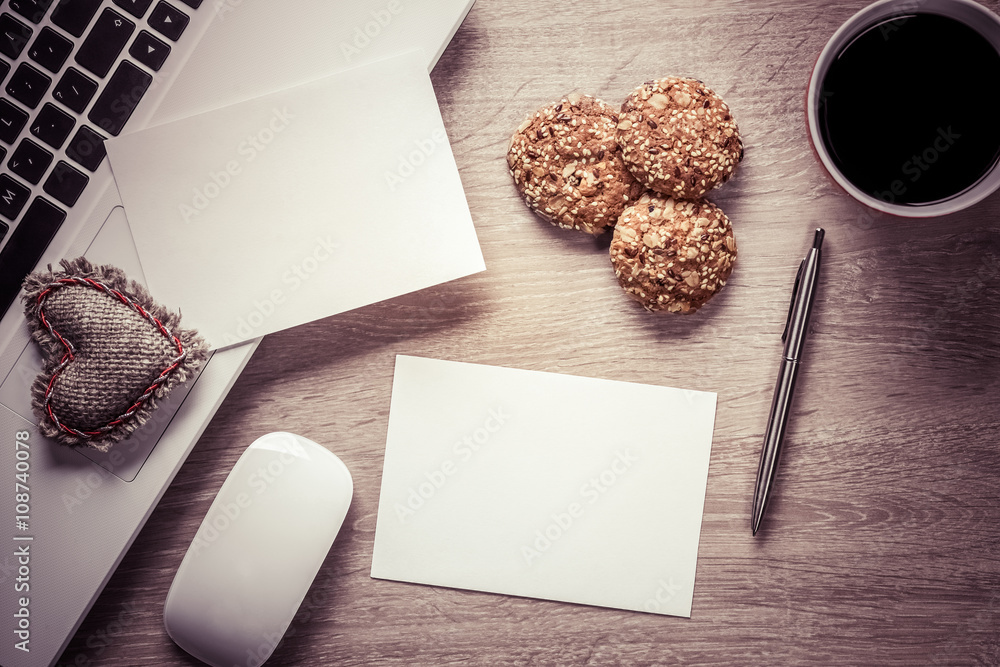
(818, 239)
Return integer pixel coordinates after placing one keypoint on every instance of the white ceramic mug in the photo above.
(977, 17)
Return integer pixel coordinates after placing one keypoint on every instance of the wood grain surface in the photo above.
(882, 543)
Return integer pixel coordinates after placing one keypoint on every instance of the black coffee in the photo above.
(909, 110)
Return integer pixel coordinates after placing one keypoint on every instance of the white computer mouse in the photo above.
(258, 550)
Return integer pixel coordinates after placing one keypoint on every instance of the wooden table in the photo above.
(881, 544)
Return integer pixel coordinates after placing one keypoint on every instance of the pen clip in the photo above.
(791, 304)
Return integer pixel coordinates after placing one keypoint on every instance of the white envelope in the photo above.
(543, 485)
(300, 204)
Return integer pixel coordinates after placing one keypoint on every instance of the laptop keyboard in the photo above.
(69, 92)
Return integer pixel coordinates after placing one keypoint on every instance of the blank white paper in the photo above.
(300, 204)
(543, 485)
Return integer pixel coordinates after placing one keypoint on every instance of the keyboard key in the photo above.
(52, 125)
(12, 119)
(26, 244)
(29, 161)
(3, 229)
(193, 4)
(168, 20)
(27, 85)
(106, 40)
(86, 148)
(4, 68)
(50, 49)
(148, 50)
(74, 16)
(75, 90)
(13, 197)
(14, 36)
(3, 153)
(134, 7)
(65, 183)
(119, 98)
(33, 10)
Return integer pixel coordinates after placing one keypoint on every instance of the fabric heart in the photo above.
(111, 353)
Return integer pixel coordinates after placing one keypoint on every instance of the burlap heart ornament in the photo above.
(111, 353)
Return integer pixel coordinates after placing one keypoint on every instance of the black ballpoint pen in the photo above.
(803, 295)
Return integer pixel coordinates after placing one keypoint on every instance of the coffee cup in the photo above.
(902, 106)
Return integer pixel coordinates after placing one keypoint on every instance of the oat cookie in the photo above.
(567, 165)
(673, 255)
(678, 137)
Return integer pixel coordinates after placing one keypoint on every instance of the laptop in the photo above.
(75, 72)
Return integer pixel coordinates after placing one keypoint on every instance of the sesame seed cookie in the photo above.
(678, 137)
(566, 164)
(673, 255)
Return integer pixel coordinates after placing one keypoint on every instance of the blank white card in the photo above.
(300, 204)
(543, 485)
